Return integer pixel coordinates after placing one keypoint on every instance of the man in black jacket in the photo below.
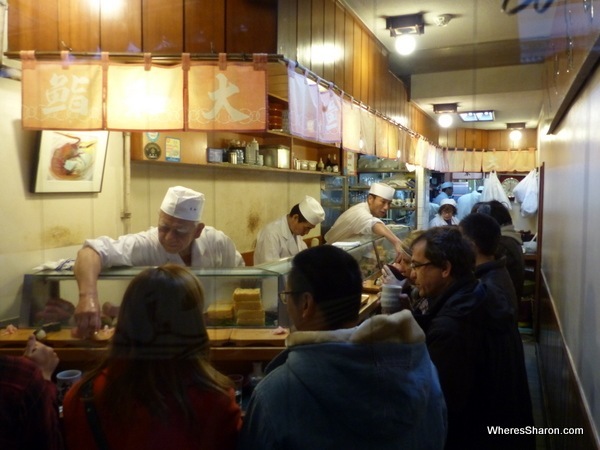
(472, 349)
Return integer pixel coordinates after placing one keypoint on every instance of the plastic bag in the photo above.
(526, 193)
(493, 190)
(520, 189)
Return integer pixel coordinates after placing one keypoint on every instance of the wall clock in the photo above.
(509, 184)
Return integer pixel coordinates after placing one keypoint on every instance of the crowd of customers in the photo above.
(435, 375)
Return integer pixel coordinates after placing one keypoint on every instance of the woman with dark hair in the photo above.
(155, 389)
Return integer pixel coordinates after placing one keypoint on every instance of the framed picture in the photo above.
(70, 161)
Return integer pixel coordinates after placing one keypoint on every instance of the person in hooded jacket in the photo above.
(339, 385)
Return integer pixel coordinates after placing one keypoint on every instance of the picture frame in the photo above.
(70, 161)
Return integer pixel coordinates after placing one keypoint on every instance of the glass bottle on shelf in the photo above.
(320, 165)
(334, 164)
(328, 165)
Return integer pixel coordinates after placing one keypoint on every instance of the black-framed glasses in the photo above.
(283, 296)
(414, 265)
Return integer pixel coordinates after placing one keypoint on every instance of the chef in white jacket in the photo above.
(446, 191)
(465, 203)
(283, 237)
(180, 238)
(365, 218)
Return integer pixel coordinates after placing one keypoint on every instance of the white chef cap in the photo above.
(312, 210)
(382, 190)
(183, 203)
(448, 201)
(447, 184)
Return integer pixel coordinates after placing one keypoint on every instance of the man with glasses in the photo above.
(339, 384)
(180, 238)
(460, 337)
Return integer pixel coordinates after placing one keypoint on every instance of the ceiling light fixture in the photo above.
(446, 110)
(516, 127)
(477, 116)
(404, 29)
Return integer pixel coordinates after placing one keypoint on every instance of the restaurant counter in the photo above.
(233, 350)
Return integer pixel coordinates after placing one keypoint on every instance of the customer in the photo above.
(504, 348)
(283, 237)
(398, 273)
(339, 386)
(464, 340)
(28, 399)
(446, 214)
(364, 219)
(156, 389)
(510, 245)
(180, 238)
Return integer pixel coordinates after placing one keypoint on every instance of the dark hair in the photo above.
(296, 210)
(160, 347)
(447, 244)
(495, 209)
(483, 230)
(334, 279)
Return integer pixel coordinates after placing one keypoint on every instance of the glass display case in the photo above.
(50, 296)
(239, 297)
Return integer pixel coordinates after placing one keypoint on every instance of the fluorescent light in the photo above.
(477, 116)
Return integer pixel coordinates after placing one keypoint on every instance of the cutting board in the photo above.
(257, 337)
(62, 337)
(219, 336)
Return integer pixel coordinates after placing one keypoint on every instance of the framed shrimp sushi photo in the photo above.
(70, 161)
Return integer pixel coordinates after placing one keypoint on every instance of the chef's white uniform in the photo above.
(355, 222)
(441, 196)
(276, 241)
(213, 249)
(465, 203)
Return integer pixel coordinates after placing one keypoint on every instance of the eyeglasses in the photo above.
(414, 265)
(283, 296)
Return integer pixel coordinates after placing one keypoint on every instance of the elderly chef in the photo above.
(180, 238)
(283, 237)
(446, 190)
(365, 218)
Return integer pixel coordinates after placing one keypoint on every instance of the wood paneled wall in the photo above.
(360, 67)
(486, 139)
(155, 26)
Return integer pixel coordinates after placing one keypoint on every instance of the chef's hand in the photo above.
(87, 317)
(43, 356)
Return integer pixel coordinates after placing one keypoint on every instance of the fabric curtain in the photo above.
(329, 117)
(303, 102)
(61, 94)
(227, 96)
(382, 127)
(367, 131)
(350, 126)
(144, 97)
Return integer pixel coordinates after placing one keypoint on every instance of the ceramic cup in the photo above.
(65, 380)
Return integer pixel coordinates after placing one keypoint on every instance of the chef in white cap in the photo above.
(180, 238)
(365, 218)
(446, 190)
(283, 237)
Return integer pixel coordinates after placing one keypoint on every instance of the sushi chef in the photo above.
(179, 238)
(365, 218)
(446, 191)
(283, 237)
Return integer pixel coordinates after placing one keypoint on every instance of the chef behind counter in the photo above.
(180, 238)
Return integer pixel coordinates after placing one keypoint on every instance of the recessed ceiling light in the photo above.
(477, 116)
